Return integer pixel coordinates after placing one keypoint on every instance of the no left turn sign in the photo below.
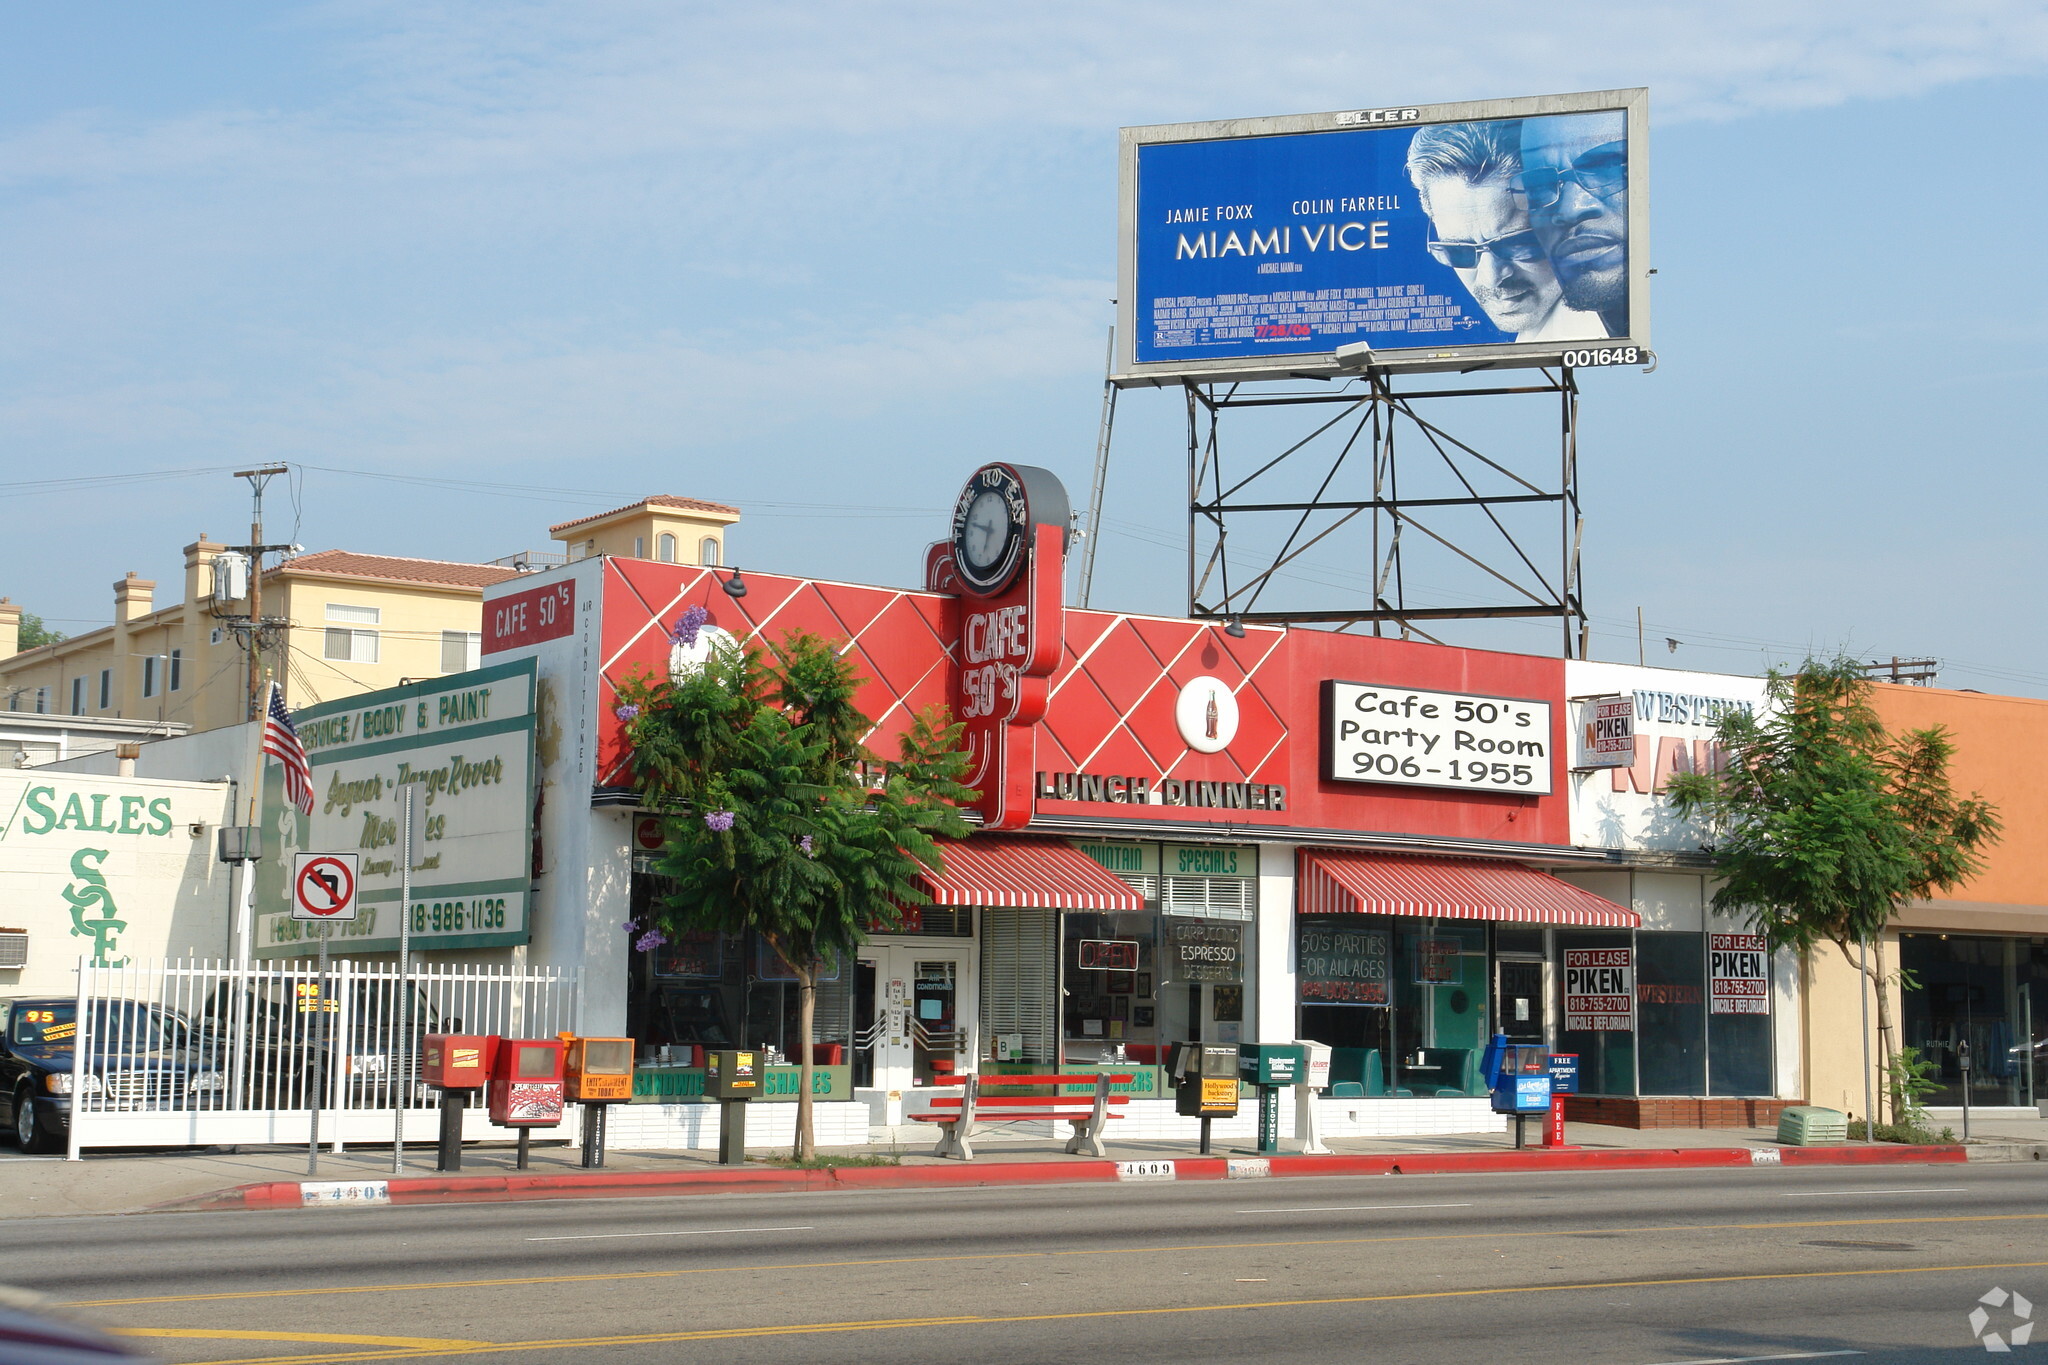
(324, 886)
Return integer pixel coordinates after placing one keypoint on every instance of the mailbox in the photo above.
(598, 1070)
(734, 1075)
(526, 1083)
(1271, 1063)
(1208, 1081)
(457, 1061)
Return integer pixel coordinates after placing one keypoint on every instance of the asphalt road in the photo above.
(1633, 1269)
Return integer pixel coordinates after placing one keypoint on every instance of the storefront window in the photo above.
(1107, 959)
(1992, 992)
(1596, 978)
(1671, 1018)
(1401, 1001)
(1738, 1015)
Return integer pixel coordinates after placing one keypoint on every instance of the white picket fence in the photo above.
(205, 1053)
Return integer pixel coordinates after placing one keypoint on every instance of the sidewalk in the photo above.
(124, 1182)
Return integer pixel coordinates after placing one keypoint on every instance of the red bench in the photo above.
(962, 1115)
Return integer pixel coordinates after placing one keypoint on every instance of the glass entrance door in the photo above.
(1518, 1000)
(911, 1016)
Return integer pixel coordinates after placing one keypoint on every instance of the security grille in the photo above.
(13, 948)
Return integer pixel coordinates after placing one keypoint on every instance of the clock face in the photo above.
(990, 522)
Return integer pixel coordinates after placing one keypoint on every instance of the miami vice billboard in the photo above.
(1505, 232)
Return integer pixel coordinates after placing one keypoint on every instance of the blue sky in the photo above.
(480, 268)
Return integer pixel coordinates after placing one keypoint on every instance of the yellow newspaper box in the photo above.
(599, 1070)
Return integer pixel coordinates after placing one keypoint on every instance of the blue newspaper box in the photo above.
(1522, 1095)
(1520, 1077)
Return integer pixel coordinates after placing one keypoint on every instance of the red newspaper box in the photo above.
(526, 1083)
(457, 1061)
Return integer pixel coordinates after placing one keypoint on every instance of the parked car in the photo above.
(143, 1057)
(285, 1024)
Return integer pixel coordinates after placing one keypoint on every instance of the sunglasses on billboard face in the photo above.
(1517, 248)
(1601, 172)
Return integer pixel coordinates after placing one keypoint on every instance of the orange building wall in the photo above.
(2001, 755)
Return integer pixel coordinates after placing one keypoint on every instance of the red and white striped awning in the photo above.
(995, 869)
(1334, 883)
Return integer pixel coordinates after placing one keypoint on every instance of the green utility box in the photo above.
(1271, 1063)
(1811, 1126)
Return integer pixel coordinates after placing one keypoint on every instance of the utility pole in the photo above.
(257, 479)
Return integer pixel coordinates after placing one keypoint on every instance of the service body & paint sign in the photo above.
(1409, 737)
(467, 741)
(110, 869)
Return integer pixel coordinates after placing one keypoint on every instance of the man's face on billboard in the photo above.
(1509, 275)
(1574, 184)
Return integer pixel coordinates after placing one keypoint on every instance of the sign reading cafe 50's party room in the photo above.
(467, 741)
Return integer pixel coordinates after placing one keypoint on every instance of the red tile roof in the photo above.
(659, 500)
(439, 573)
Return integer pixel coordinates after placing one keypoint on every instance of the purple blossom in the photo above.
(630, 925)
(805, 844)
(650, 940)
(718, 821)
(688, 624)
(626, 713)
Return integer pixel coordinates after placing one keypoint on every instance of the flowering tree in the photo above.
(776, 817)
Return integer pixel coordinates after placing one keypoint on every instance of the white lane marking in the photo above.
(1356, 1208)
(692, 1232)
(1918, 1189)
(1744, 1360)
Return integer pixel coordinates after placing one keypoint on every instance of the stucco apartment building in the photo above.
(351, 623)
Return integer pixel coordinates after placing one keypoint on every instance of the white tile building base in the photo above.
(1155, 1121)
(648, 1127)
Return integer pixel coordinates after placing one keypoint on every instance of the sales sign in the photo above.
(1599, 989)
(1412, 738)
(1344, 966)
(1738, 974)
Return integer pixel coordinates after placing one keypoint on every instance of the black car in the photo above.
(143, 1057)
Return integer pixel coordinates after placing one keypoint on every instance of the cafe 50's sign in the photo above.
(1408, 737)
(466, 740)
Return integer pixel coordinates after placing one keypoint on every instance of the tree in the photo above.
(34, 634)
(777, 819)
(1826, 825)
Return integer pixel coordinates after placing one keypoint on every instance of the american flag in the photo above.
(281, 742)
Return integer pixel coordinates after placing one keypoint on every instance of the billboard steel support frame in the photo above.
(1228, 585)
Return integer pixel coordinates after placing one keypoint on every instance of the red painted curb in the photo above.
(501, 1187)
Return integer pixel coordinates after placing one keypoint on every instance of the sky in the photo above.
(475, 269)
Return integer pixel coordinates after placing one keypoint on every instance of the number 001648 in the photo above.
(1604, 355)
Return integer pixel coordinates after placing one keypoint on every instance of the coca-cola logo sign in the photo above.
(1206, 715)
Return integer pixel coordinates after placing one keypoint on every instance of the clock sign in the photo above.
(993, 521)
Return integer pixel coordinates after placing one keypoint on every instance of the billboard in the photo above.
(1504, 232)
